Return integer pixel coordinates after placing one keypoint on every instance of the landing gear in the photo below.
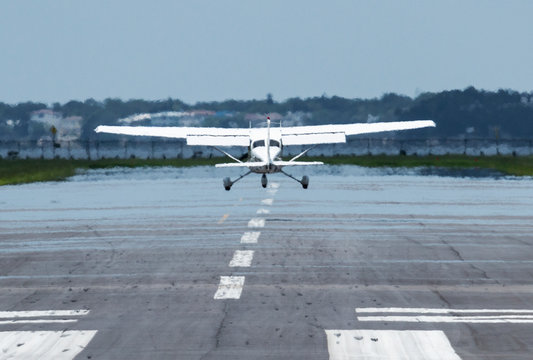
(228, 183)
(304, 181)
(264, 181)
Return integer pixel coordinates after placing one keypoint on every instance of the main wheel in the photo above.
(227, 183)
(305, 181)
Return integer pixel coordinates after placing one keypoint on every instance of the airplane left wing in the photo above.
(194, 135)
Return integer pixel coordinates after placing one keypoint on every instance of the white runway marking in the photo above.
(263, 211)
(41, 313)
(274, 185)
(256, 223)
(43, 345)
(509, 319)
(389, 344)
(513, 316)
(441, 310)
(44, 321)
(250, 237)
(242, 258)
(267, 201)
(230, 287)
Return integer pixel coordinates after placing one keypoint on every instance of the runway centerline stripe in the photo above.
(389, 344)
(256, 223)
(250, 237)
(242, 258)
(41, 313)
(263, 211)
(267, 201)
(441, 311)
(230, 287)
(223, 218)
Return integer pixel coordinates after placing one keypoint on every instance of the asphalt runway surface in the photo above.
(165, 264)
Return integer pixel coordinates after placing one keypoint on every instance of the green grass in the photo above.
(22, 171)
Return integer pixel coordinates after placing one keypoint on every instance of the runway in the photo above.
(165, 264)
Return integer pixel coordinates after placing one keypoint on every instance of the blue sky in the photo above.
(216, 50)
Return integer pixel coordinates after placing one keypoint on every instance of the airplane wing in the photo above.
(243, 164)
(205, 136)
(277, 163)
(295, 135)
(329, 134)
(297, 163)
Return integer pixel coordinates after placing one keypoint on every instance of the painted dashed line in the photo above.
(230, 287)
(223, 218)
(250, 237)
(256, 223)
(242, 258)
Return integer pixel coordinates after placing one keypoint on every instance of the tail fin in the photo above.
(268, 140)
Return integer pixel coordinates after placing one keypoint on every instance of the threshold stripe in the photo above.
(441, 311)
(389, 344)
(41, 313)
(524, 319)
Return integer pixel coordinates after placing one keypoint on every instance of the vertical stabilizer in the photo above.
(268, 141)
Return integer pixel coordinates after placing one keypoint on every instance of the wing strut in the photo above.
(304, 181)
(228, 155)
(303, 153)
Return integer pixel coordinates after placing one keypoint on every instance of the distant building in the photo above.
(170, 118)
(68, 129)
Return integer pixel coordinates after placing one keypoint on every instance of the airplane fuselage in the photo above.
(265, 150)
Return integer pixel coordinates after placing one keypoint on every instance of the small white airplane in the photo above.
(265, 144)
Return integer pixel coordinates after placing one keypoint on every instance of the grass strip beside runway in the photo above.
(20, 171)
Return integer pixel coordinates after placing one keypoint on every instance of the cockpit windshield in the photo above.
(262, 143)
(258, 143)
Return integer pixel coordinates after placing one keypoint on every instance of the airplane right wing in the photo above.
(336, 133)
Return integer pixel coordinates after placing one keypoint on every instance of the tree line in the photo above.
(468, 113)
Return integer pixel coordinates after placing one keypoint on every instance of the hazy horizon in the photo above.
(213, 51)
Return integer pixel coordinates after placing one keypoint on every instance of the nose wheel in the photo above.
(264, 181)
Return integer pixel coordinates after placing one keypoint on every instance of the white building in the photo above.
(68, 129)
